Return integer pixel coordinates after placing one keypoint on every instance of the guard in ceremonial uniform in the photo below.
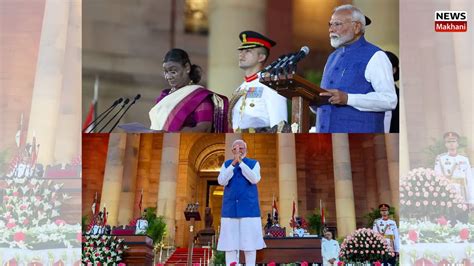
(388, 229)
(455, 167)
(255, 107)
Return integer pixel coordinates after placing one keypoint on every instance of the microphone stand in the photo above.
(128, 107)
(105, 114)
(121, 108)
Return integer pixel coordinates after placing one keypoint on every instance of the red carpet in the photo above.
(180, 256)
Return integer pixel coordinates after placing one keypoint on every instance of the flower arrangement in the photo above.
(442, 231)
(102, 250)
(30, 203)
(365, 245)
(423, 194)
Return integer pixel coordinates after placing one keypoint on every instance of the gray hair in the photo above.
(357, 14)
(240, 141)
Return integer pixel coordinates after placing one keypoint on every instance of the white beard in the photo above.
(337, 40)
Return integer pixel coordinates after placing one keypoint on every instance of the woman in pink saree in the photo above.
(187, 106)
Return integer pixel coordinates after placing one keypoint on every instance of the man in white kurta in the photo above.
(254, 106)
(241, 225)
(456, 168)
(330, 250)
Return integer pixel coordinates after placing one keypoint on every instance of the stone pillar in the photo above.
(224, 75)
(127, 197)
(45, 104)
(166, 205)
(369, 171)
(464, 69)
(68, 133)
(143, 172)
(391, 144)
(112, 186)
(381, 169)
(344, 192)
(384, 30)
(403, 135)
(287, 178)
(229, 139)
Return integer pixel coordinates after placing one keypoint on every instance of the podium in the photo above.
(289, 250)
(140, 250)
(192, 215)
(301, 92)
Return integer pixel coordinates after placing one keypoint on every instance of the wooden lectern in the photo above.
(301, 92)
(192, 215)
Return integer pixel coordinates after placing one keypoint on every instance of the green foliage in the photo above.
(315, 223)
(314, 76)
(156, 225)
(85, 223)
(219, 257)
(375, 214)
(4, 162)
(438, 148)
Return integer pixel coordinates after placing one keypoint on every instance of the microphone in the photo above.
(130, 105)
(301, 54)
(275, 69)
(266, 69)
(104, 114)
(121, 108)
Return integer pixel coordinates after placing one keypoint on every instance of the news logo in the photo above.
(450, 21)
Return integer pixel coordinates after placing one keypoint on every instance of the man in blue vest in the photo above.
(241, 225)
(358, 79)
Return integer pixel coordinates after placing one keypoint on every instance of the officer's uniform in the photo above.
(388, 229)
(256, 107)
(457, 169)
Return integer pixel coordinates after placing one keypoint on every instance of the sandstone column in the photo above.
(166, 205)
(224, 73)
(287, 177)
(113, 176)
(391, 144)
(344, 192)
(45, 104)
(381, 169)
(127, 197)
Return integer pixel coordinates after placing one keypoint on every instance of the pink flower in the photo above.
(442, 220)
(23, 207)
(10, 225)
(16, 193)
(60, 222)
(412, 235)
(26, 222)
(377, 263)
(425, 202)
(19, 236)
(5, 198)
(464, 234)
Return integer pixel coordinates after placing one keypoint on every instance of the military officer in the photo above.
(388, 229)
(455, 167)
(255, 107)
